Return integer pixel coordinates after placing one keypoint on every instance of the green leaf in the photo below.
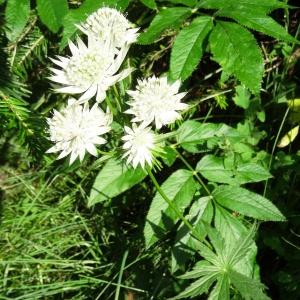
(214, 169)
(259, 5)
(251, 172)
(198, 287)
(202, 268)
(247, 203)
(200, 211)
(241, 248)
(258, 21)
(242, 97)
(114, 179)
(75, 16)
(165, 19)
(180, 188)
(188, 47)
(52, 12)
(191, 134)
(16, 16)
(236, 50)
(248, 287)
(221, 289)
(232, 229)
(149, 3)
(190, 3)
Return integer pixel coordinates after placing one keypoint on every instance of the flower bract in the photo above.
(90, 70)
(77, 129)
(156, 100)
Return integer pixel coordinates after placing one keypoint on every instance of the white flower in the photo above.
(77, 129)
(139, 145)
(108, 23)
(90, 70)
(156, 100)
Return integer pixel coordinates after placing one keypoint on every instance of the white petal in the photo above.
(89, 93)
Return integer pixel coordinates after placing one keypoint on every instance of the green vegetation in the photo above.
(216, 213)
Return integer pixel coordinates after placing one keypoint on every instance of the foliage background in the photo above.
(52, 244)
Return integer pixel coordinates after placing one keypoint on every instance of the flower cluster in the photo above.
(90, 70)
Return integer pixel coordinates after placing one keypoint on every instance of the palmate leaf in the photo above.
(232, 229)
(236, 50)
(180, 188)
(198, 287)
(114, 179)
(221, 289)
(165, 19)
(52, 12)
(249, 288)
(247, 203)
(259, 21)
(185, 243)
(240, 248)
(202, 268)
(16, 16)
(188, 47)
(219, 267)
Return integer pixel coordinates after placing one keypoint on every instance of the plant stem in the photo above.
(194, 172)
(170, 203)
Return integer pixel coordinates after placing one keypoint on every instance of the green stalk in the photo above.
(170, 203)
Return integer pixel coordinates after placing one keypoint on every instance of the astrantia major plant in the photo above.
(155, 130)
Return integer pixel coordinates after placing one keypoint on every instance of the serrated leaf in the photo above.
(165, 19)
(191, 134)
(190, 3)
(113, 179)
(198, 287)
(179, 188)
(248, 287)
(232, 229)
(188, 47)
(16, 16)
(289, 137)
(201, 211)
(247, 203)
(75, 16)
(221, 289)
(149, 3)
(213, 168)
(258, 21)
(236, 50)
(202, 268)
(261, 5)
(52, 12)
(241, 248)
(242, 97)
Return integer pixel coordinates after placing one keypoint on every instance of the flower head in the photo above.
(108, 23)
(156, 100)
(90, 70)
(139, 145)
(77, 129)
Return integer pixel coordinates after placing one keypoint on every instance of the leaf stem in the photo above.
(194, 172)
